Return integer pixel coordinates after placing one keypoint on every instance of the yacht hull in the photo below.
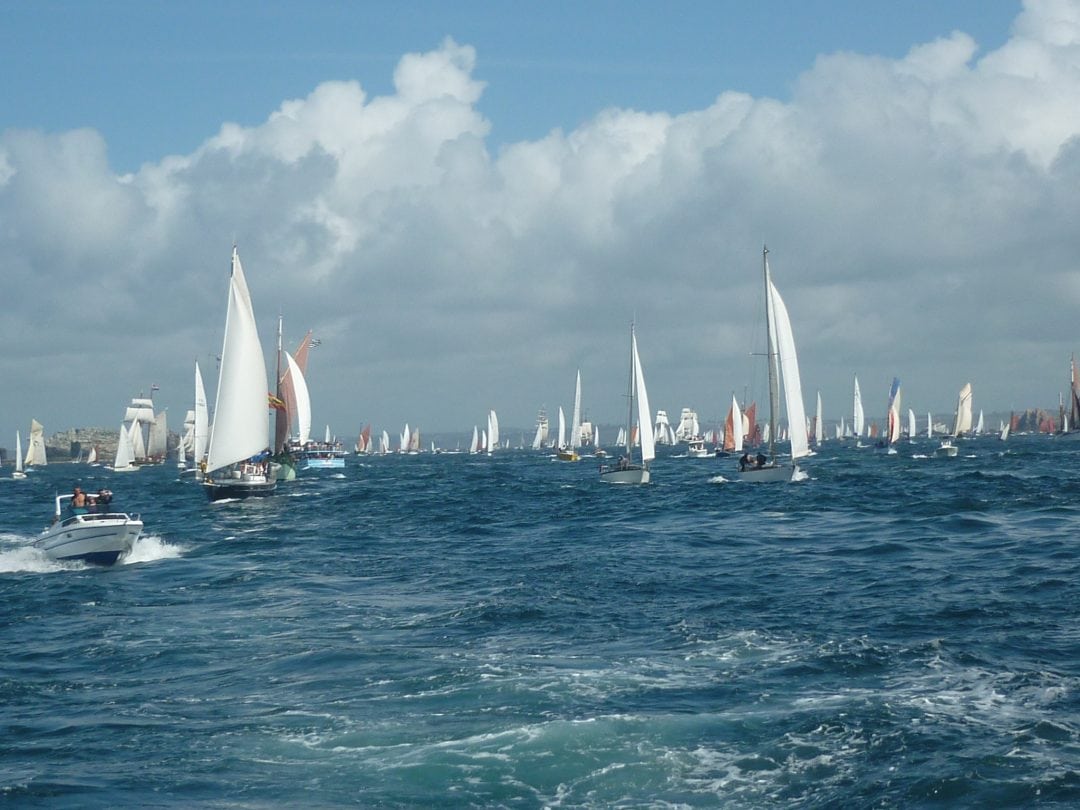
(630, 475)
(97, 539)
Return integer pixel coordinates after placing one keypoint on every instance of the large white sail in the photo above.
(493, 430)
(202, 418)
(789, 366)
(302, 399)
(562, 428)
(575, 422)
(125, 448)
(35, 452)
(893, 433)
(912, 429)
(857, 417)
(962, 423)
(159, 437)
(241, 417)
(819, 427)
(734, 428)
(645, 428)
(18, 454)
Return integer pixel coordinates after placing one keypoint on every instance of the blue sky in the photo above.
(159, 78)
(468, 201)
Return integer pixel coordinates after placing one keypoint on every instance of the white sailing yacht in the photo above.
(892, 418)
(35, 452)
(625, 471)
(782, 359)
(237, 458)
(493, 431)
(568, 451)
(961, 423)
(18, 472)
(125, 449)
(858, 418)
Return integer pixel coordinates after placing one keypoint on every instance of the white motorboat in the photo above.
(93, 534)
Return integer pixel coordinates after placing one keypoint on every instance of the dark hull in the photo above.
(238, 489)
(95, 558)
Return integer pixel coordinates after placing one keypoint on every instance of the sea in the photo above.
(447, 630)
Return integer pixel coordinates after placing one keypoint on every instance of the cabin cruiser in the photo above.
(92, 533)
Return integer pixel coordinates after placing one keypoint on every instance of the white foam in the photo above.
(31, 560)
(150, 548)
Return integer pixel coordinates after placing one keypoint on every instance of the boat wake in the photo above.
(150, 548)
(719, 479)
(27, 559)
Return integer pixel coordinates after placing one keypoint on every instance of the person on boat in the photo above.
(760, 460)
(78, 499)
(100, 501)
(744, 462)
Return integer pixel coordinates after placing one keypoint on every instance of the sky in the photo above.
(468, 202)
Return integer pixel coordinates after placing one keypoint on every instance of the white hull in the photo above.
(770, 473)
(100, 539)
(631, 475)
(947, 450)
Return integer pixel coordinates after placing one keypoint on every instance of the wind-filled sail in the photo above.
(789, 365)
(125, 447)
(962, 423)
(645, 428)
(857, 417)
(819, 427)
(202, 418)
(301, 398)
(575, 422)
(493, 430)
(35, 452)
(159, 437)
(241, 419)
(733, 428)
(893, 414)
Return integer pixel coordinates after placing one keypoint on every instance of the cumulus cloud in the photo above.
(919, 212)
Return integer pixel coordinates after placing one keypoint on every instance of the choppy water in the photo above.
(455, 631)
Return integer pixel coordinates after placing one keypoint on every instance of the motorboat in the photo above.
(93, 533)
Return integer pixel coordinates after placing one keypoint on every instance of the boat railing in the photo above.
(91, 517)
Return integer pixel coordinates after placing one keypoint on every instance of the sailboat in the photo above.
(625, 471)
(18, 473)
(858, 418)
(782, 359)
(819, 425)
(961, 422)
(892, 416)
(733, 430)
(125, 449)
(568, 451)
(541, 437)
(493, 431)
(237, 459)
(35, 453)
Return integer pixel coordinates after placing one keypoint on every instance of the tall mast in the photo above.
(774, 356)
(630, 401)
(280, 431)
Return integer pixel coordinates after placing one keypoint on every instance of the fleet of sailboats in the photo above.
(232, 454)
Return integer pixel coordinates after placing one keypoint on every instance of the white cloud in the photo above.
(920, 213)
